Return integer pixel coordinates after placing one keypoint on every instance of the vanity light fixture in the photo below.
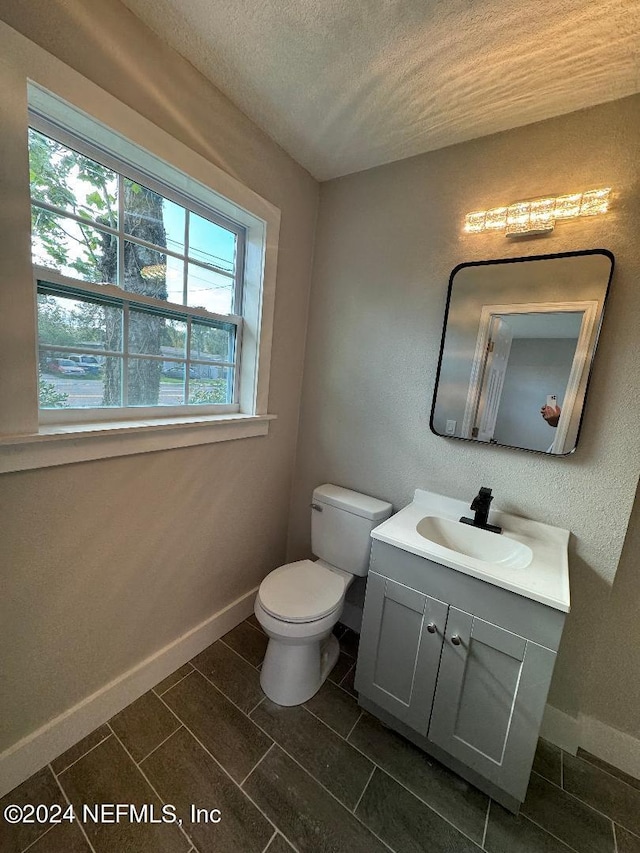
(538, 215)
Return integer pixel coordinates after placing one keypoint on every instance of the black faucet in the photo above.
(480, 505)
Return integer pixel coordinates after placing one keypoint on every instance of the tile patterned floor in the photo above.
(320, 778)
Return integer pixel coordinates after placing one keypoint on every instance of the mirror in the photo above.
(517, 347)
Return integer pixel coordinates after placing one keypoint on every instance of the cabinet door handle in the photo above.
(431, 627)
(456, 640)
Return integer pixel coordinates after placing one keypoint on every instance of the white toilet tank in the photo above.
(341, 523)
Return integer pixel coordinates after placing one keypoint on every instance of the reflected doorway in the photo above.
(526, 355)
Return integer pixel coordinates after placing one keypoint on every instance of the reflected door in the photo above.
(495, 367)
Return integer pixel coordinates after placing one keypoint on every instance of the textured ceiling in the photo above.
(343, 85)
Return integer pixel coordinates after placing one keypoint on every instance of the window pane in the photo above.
(155, 383)
(152, 273)
(210, 290)
(78, 380)
(152, 217)
(152, 334)
(211, 244)
(211, 384)
(209, 343)
(71, 181)
(71, 322)
(73, 248)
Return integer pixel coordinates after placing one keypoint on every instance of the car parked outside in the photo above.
(177, 372)
(65, 366)
(90, 363)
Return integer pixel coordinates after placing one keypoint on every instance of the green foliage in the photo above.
(89, 322)
(213, 392)
(57, 177)
(210, 341)
(79, 323)
(96, 200)
(205, 340)
(48, 396)
(54, 323)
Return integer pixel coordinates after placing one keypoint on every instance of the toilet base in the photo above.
(292, 672)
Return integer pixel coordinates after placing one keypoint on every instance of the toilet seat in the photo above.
(303, 591)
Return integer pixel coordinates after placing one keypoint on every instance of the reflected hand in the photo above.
(551, 414)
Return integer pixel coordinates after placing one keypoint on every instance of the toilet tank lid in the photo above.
(353, 502)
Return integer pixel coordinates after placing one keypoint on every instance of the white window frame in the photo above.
(66, 99)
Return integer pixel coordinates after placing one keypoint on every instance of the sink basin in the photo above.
(529, 558)
(474, 542)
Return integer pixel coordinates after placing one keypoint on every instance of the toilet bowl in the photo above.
(299, 603)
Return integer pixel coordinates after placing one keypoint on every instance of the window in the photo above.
(143, 310)
(154, 274)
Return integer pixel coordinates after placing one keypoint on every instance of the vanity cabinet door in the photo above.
(490, 698)
(400, 645)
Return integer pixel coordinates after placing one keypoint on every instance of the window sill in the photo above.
(62, 444)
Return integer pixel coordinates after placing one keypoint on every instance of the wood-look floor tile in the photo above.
(603, 792)
(248, 642)
(405, 823)
(348, 682)
(64, 838)
(174, 678)
(508, 833)
(309, 817)
(279, 845)
(547, 761)
(608, 768)
(254, 622)
(342, 667)
(183, 773)
(446, 793)
(237, 679)
(79, 749)
(349, 642)
(143, 725)
(627, 842)
(567, 818)
(335, 708)
(39, 788)
(327, 756)
(108, 775)
(229, 735)
(339, 629)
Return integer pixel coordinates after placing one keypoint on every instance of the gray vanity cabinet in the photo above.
(457, 665)
(487, 698)
(403, 631)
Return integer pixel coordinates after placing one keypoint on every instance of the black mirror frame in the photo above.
(456, 269)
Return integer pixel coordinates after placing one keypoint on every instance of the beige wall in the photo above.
(387, 241)
(615, 683)
(106, 562)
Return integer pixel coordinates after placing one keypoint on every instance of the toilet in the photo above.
(299, 603)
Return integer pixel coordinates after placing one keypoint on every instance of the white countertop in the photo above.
(545, 579)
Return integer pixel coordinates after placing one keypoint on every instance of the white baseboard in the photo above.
(40, 747)
(611, 745)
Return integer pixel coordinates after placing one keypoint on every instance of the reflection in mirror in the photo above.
(517, 349)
